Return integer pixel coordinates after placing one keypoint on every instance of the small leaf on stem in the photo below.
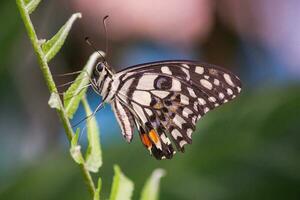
(76, 91)
(151, 187)
(93, 155)
(122, 187)
(31, 5)
(52, 46)
(75, 148)
(98, 189)
(54, 101)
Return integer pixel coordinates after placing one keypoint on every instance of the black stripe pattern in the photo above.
(164, 100)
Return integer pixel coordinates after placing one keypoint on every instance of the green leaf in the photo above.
(93, 154)
(76, 91)
(54, 101)
(98, 189)
(52, 46)
(75, 148)
(31, 5)
(151, 188)
(122, 187)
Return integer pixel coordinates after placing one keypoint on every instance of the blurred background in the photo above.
(247, 149)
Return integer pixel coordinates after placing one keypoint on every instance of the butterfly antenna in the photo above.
(87, 40)
(106, 36)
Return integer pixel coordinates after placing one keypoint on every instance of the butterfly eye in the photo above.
(99, 67)
(97, 70)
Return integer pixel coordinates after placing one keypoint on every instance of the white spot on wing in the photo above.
(216, 82)
(160, 94)
(186, 112)
(142, 97)
(206, 109)
(199, 70)
(146, 82)
(179, 121)
(194, 120)
(182, 143)
(166, 70)
(148, 111)
(191, 92)
(201, 101)
(228, 80)
(196, 106)
(126, 86)
(184, 99)
(176, 85)
(229, 91)
(186, 66)
(189, 133)
(175, 133)
(206, 84)
(221, 95)
(198, 117)
(187, 73)
(139, 111)
(165, 139)
(212, 99)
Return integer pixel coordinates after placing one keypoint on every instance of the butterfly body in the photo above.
(164, 100)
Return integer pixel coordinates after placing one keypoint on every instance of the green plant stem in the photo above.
(51, 85)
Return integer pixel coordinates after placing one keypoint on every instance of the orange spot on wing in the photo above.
(146, 141)
(153, 135)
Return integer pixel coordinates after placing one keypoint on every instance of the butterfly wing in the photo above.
(124, 119)
(168, 98)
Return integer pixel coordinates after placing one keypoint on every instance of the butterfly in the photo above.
(164, 100)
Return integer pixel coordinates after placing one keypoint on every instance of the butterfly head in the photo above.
(102, 71)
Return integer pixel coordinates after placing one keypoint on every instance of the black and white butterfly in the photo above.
(164, 100)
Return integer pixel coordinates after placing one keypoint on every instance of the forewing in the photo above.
(211, 79)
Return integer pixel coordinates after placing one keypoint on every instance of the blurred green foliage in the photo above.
(248, 149)
(9, 32)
